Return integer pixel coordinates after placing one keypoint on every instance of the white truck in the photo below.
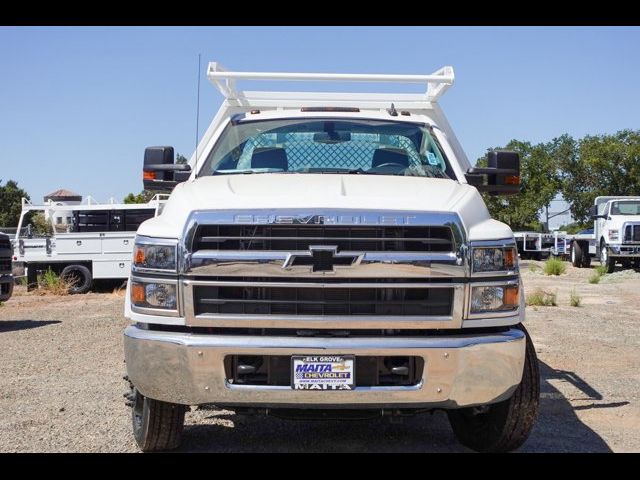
(615, 237)
(538, 245)
(95, 241)
(329, 256)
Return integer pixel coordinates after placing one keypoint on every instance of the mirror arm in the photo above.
(173, 167)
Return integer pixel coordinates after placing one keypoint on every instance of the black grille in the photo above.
(300, 237)
(5, 265)
(276, 370)
(632, 233)
(266, 300)
(4, 242)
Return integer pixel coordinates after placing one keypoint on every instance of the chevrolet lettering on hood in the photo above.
(326, 219)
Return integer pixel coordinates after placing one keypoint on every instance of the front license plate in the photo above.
(323, 372)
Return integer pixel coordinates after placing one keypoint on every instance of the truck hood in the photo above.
(325, 191)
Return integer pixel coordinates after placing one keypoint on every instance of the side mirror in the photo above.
(593, 212)
(159, 172)
(500, 177)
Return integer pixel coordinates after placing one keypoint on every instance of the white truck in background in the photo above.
(616, 234)
(94, 242)
(538, 245)
(329, 256)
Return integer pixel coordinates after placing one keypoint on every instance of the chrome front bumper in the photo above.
(6, 287)
(460, 370)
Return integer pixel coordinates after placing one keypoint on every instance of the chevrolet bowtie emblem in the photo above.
(322, 259)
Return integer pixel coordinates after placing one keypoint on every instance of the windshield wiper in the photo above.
(344, 171)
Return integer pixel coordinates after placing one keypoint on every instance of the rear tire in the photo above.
(156, 425)
(504, 426)
(79, 276)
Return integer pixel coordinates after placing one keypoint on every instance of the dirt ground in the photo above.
(61, 367)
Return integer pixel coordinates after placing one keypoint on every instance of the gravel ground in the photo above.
(61, 367)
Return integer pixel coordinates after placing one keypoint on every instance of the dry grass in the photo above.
(574, 299)
(540, 298)
(50, 283)
(554, 266)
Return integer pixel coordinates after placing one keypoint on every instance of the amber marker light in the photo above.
(511, 296)
(510, 257)
(148, 175)
(137, 293)
(138, 256)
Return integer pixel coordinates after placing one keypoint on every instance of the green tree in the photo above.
(11, 203)
(180, 159)
(142, 197)
(540, 184)
(601, 165)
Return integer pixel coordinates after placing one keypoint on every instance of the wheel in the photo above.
(503, 426)
(156, 425)
(576, 255)
(626, 263)
(586, 258)
(79, 278)
(605, 259)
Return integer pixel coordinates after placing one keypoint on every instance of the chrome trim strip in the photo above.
(296, 344)
(320, 284)
(158, 311)
(406, 388)
(372, 264)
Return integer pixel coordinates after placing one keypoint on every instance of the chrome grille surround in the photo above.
(230, 268)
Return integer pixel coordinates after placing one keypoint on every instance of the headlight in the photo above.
(154, 256)
(614, 234)
(494, 298)
(154, 295)
(494, 259)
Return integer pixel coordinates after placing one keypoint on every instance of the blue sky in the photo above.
(79, 105)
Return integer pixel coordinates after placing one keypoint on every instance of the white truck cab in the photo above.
(329, 252)
(616, 234)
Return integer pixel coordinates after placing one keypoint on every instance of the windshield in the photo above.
(327, 146)
(626, 208)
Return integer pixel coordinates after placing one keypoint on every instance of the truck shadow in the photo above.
(558, 428)
(14, 325)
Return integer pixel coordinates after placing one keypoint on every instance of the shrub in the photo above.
(595, 278)
(51, 282)
(554, 266)
(574, 299)
(601, 270)
(540, 298)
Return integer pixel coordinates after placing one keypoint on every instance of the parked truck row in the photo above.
(614, 238)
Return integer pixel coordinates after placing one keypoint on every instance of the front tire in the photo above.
(156, 425)
(503, 426)
(605, 259)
